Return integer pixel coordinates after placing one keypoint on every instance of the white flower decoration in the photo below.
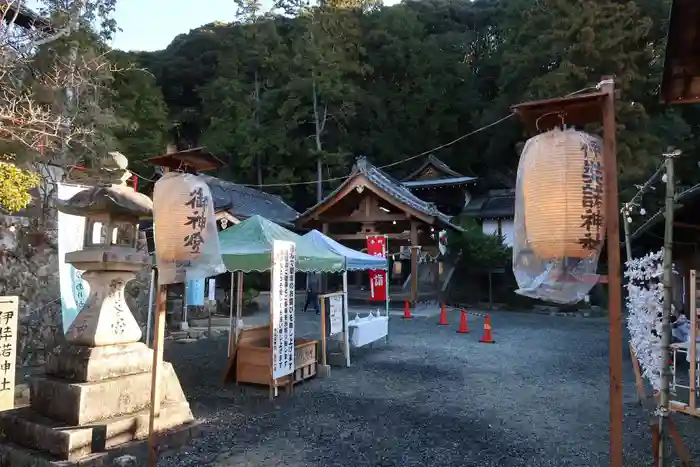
(645, 297)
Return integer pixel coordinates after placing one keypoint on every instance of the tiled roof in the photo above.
(497, 204)
(438, 182)
(243, 201)
(435, 162)
(391, 186)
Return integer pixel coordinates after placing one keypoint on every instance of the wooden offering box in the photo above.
(254, 358)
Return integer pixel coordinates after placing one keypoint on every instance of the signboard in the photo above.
(212, 290)
(194, 291)
(376, 246)
(9, 308)
(282, 310)
(74, 290)
(335, 314)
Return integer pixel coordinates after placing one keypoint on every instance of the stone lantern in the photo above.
(100, 380)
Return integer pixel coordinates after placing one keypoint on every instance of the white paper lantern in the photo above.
(186, 238)
(561, 185)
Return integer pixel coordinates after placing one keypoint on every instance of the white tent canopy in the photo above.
(354, 260)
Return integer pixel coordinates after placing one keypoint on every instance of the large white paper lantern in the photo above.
(186, 238)
(562, 193)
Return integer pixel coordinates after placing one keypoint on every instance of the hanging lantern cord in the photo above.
(558, 113)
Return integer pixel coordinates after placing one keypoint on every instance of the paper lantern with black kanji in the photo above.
(560, 180)
(185, 233)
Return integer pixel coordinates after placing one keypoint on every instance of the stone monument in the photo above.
(95, 394)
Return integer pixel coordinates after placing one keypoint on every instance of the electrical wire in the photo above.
(402, 161)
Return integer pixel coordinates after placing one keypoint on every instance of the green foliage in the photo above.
(477, 250)
(272, 94)
(142, 125)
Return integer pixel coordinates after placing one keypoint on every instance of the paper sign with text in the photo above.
(9, 309)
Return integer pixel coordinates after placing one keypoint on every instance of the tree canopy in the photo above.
(277, 93)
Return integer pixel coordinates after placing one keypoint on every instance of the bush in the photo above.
(473, 249)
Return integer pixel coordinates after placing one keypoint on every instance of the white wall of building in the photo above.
(502, 226)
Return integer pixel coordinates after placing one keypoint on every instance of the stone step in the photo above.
(30, 430)
(216, 321)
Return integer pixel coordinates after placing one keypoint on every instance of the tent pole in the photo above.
(230, 315)
(346, 328)
(151, 291)
(386, 281)
(239, 305)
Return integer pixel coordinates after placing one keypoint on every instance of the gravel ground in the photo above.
(430, 397)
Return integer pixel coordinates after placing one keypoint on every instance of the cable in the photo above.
(334, 179)
(407, 159)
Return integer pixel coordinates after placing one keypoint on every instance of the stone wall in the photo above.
(30, 270)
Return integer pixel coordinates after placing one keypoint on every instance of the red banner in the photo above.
(376, 246)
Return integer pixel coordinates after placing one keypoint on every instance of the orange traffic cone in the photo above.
(407, 311)
(487, 338)
(463, 329)
(443, 316)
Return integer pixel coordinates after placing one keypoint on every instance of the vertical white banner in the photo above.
(74, 290)
(282, 309)
(212, 290)
(9, 309)
(335, 314)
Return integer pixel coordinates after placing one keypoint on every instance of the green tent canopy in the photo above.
(247, 247)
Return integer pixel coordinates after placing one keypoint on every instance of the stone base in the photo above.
(12, 455)
(26, 428)
(70, 420)
(83, 403)
(81, 363)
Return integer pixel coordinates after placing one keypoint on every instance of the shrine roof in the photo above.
(25, 17)
(390, 186)
(495, 204)
(439, 182)
(437, 165)
(244, 202)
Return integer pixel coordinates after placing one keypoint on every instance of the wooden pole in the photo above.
(664, 394)
(158, 335)
(239, 306)
(230, 314)
(323, 330)
(693, 339)
(614, 270)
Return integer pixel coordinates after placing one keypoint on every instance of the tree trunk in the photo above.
(319, 123)
(258, 155)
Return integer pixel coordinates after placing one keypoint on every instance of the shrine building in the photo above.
(371, 202)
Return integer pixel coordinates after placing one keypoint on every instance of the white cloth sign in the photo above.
(71, 229)
(282, 309)
(335, 314)
(212, 290)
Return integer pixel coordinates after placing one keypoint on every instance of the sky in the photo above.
(149, 25)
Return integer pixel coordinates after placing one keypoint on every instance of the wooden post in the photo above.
(239, 306)
(322, 299)
(693, 339)
(230, 314)
(210, 311)
(664, 395)
(158, 336)
(414, 261)
(614, 269)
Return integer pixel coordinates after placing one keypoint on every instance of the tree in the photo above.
(53, 76)
(317, 86)
(142, 123)
(326, 50)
